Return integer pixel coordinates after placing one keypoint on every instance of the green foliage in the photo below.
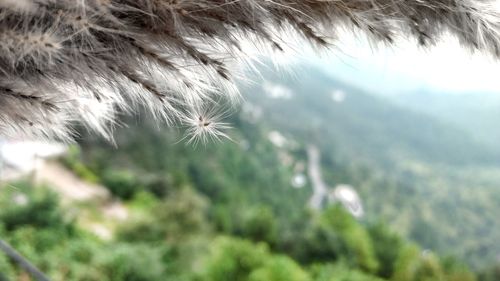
(234, 259)
(279, 268)
(228, 211)
(72, 160)
(143, 201)
(22, 206)
(340, 272)
(121, 183)
(229, 190)
(182, 214)
(176, 219)
(337, 235)
(491, 273)
(6, 269)
(430, 177)
(135, 262)
(456, 270)
(259, 224)
(121, 261)
(387, 246)
(173, 239)
(414, 264)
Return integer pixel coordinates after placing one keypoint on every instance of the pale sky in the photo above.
(446, 67)
(399, 68)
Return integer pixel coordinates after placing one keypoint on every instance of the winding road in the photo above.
(320, 189)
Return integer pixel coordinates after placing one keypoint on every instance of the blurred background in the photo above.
(365, 164)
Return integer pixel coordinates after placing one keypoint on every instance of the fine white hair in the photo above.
(69, 62)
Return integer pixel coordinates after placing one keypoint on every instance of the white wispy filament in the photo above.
(59, 58)
(205, 123)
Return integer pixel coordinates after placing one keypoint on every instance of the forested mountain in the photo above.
(362, 125)
(433, 179)
(230, 211)
(477, 113)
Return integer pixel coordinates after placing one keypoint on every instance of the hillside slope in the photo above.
(432, 179)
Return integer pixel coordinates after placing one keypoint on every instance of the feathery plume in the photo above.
(58, 57)
(205, 123)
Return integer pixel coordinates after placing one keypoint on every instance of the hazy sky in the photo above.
(402, 67)
(405, 67)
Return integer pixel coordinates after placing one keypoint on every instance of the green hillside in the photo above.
(229, 210)
(362, 125)
(477, 113)
(431, 179)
